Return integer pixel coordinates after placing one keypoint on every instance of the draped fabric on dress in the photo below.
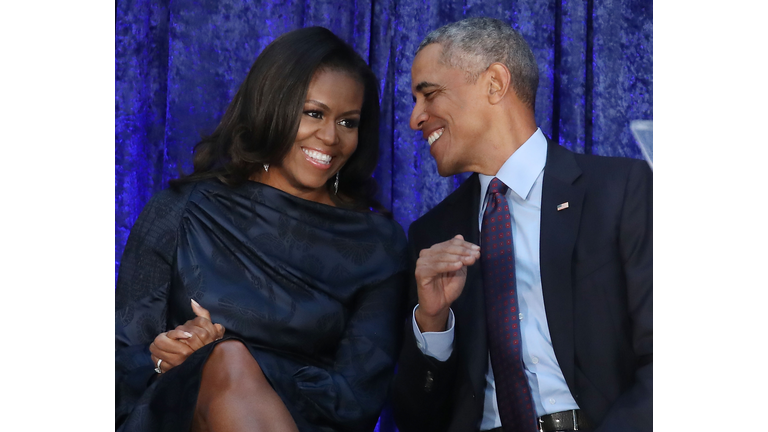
(313, 291)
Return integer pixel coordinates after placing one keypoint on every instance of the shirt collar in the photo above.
(522, 168)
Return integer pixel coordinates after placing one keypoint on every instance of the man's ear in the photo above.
(497, 79)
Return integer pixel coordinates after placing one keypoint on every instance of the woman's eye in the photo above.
(314, 114)
(349, 123)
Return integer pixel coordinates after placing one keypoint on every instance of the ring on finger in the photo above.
(157, 368)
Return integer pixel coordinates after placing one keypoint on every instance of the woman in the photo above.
(261, 292)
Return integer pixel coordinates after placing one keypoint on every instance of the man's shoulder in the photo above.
(605, 178)
(462, 196)
(606, 162)
(608, 168)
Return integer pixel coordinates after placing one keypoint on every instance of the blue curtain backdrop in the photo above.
(178, 63)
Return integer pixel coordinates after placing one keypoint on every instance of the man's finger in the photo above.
(435, 269)
(448, 256)
(463, 250)
(456, 245)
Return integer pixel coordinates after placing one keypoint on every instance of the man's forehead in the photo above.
(425, 64)
(428, 56)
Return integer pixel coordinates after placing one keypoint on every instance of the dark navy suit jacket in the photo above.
(597, 280)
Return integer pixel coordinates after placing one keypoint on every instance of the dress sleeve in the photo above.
(140, 297)
(349, 395)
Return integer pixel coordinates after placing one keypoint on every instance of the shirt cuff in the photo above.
(435, 344)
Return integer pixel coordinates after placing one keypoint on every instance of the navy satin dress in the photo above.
(313, 291)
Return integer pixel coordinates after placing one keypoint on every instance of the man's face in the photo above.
(448, 111)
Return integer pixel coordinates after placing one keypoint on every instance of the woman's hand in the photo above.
(173, 347)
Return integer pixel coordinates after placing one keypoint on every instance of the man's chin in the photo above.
(447, 170)
(446, 167)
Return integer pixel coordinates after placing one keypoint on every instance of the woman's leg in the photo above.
(235, 396)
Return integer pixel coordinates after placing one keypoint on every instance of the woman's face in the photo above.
(326, 139)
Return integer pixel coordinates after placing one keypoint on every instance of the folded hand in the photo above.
(174, 346)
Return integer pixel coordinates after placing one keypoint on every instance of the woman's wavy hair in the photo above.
(261, 122)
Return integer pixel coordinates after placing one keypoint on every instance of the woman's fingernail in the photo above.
(194, 302)
(188, 334)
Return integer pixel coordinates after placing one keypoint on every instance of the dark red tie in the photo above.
(504, 337)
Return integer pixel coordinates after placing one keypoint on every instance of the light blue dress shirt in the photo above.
(523, 173)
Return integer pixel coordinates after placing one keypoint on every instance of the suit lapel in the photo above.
(465, 207)
(559, 229)
(463, 215)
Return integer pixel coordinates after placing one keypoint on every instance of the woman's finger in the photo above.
(200, 336)
(203, 328)
(179, 334)
(200, 311)
(203, 320)
(164, 344)
(219, 331)
(170, 360)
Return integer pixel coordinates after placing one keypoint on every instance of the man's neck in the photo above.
(509, 131)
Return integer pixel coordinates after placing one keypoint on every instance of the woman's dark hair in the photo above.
(261, 122)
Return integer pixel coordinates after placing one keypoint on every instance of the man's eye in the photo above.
(428, 95)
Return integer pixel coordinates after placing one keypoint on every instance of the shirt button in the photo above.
(552, 401)
(535, 360)
(428, 382)
(521, 316)
(419, 344)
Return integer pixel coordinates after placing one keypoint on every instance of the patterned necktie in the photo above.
(504, 336)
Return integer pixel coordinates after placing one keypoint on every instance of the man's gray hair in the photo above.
(473, 44)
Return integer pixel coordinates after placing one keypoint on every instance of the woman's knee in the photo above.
(230, 351)
(232, 362)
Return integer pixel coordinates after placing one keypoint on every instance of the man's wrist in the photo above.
(438, 345)
(431, 323)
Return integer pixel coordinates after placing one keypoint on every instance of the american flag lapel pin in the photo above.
(562, 206)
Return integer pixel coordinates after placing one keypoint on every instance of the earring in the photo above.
(266, 167)
(336, 185)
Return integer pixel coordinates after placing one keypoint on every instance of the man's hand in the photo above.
(441, 272)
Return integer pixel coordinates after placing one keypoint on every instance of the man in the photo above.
(533, 280)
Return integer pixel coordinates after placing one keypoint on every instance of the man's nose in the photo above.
(418, 116)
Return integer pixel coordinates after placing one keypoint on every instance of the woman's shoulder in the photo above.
(176, 196)
(388, 223)
(389, 234)
(166, 206)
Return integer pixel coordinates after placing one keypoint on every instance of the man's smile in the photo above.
(434, 136)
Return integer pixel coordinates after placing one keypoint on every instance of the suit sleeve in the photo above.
(140, 297)
(633, 410)
(423, 386)
(348, 396)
